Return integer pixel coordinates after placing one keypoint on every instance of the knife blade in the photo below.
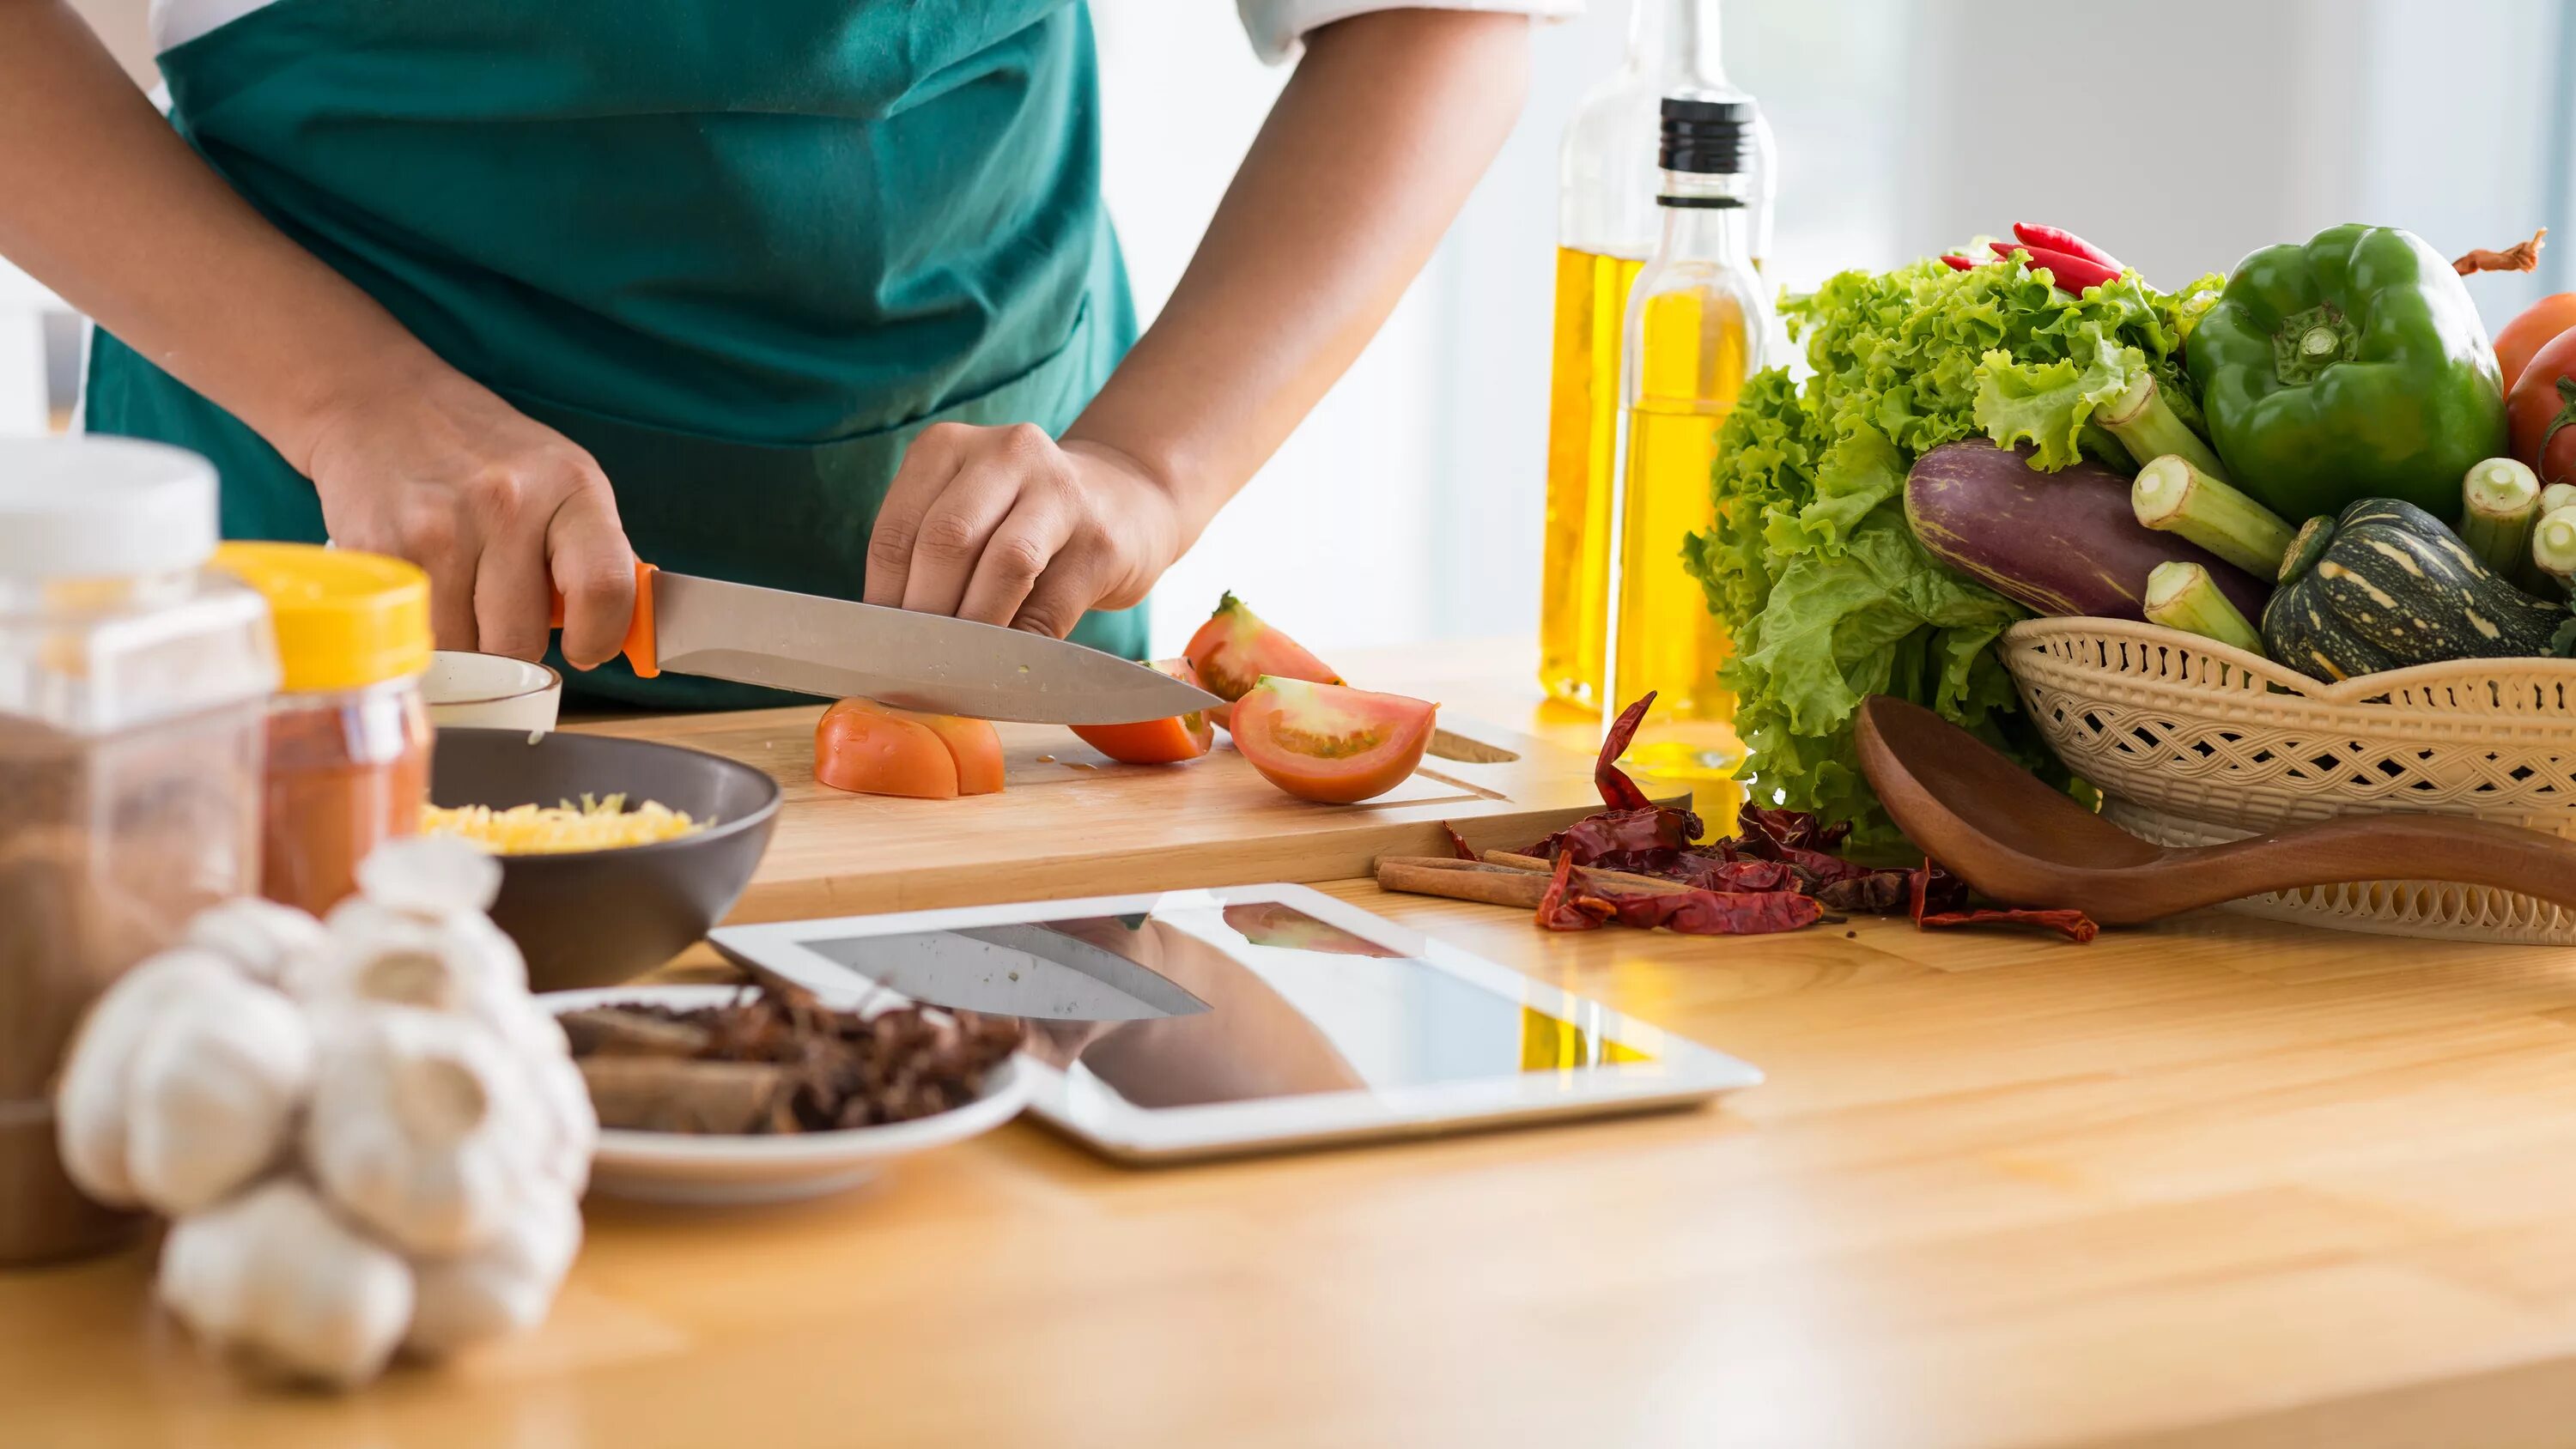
(1013, 970)
(838, 648)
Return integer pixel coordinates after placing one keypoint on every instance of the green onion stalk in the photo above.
(2177, 496)
(2183, 596)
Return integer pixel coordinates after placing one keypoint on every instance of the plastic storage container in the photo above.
(132, 685)
(348, 736)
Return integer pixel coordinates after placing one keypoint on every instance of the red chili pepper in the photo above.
(2068, 242)
(2070, 272)
(1940, 900)
(1458, 845)
(1617, 790)
(1958, 263)
(1577, 900)
(2073, 925)
(1714, 913)
(1563, 908)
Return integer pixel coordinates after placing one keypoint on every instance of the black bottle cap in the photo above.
(1712, 138)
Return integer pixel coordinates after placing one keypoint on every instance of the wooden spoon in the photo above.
(1997, 827)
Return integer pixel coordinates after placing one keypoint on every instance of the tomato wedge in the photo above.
(875, 749)
(1234, 650)
(1155, 742)
(1328, 742)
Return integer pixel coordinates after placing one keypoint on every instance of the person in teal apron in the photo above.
(815, 294)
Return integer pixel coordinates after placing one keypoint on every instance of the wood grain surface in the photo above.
(2215, 1182)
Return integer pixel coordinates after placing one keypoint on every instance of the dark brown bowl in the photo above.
(599, 917)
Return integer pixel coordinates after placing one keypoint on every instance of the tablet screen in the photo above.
(1200, 1003)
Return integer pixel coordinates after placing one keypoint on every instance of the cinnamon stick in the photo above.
(614, 1031)
(662, 1094)
(1460, 880)
(1654, 883)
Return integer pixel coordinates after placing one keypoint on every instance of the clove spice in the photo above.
(779, 1061)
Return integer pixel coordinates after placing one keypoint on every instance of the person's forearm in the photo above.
(102, 202)
(1371, 149)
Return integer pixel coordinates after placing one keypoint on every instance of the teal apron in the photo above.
(742, 253)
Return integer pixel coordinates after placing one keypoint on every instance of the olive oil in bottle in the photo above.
(1582, 446)
(1694, 332)
(1607, 223)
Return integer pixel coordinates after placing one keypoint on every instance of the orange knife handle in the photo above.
(640, 651)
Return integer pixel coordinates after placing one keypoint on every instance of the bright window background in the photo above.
(2179, 133)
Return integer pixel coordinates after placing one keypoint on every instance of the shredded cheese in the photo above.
(594, 824)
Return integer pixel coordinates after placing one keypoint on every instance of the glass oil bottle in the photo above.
(1696, 321)
(1607, 222)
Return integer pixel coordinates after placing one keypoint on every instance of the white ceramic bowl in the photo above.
(678, 1167)
(490, 691)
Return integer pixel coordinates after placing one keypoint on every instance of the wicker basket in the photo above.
(2192, 742)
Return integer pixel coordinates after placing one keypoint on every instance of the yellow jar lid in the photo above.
(345, 620)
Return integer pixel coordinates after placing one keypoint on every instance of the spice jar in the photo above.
(348, 737)
(132, 684)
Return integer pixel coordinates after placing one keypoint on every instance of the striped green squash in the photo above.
(2384, 585)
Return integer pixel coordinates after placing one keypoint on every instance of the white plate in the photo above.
(679, 1167)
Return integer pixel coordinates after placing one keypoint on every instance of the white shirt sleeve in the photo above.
(1277, 26)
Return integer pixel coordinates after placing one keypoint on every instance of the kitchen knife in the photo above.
(838, 649)
(1023, 971)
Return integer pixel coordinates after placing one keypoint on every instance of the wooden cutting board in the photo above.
(1074, 823)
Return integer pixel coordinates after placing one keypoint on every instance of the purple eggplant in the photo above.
(2056, 543)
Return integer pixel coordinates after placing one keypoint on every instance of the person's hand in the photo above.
(502, 511)
(1007, 526)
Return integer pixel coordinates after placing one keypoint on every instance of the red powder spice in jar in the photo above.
(348, 736)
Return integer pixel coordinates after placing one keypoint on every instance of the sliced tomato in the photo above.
(1155, 742)
(974, 746)
(1234, 650)
(865, 747)
(876, 749)
(1329, 742)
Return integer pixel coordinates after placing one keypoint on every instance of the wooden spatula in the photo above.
(2010, 836)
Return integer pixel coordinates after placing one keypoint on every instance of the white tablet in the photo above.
(1194, 1023)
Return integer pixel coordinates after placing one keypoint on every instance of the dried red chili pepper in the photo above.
(1565, 908)
(1934, 890)
(1595, 838)
(1940, 901)
(1719, 874)
(1617, 790)
(1458, 845)
(1880, 892)
(1788, 829)
(2073, 925)
(1713, 913)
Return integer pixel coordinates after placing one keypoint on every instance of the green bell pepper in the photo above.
(2352, 367)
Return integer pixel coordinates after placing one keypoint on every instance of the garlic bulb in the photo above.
(567, 1123)
(266, 940)
(212, 1093)
(275, 1274)
(502, 1288)
(92, 1098)
(375, 953)
(369, 1135)
(421, 1127)
(431, 876)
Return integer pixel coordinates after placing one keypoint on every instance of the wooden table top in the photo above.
(2219, 1182)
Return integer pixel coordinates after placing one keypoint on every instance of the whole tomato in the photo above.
(2542, 411)
(2525, 335)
